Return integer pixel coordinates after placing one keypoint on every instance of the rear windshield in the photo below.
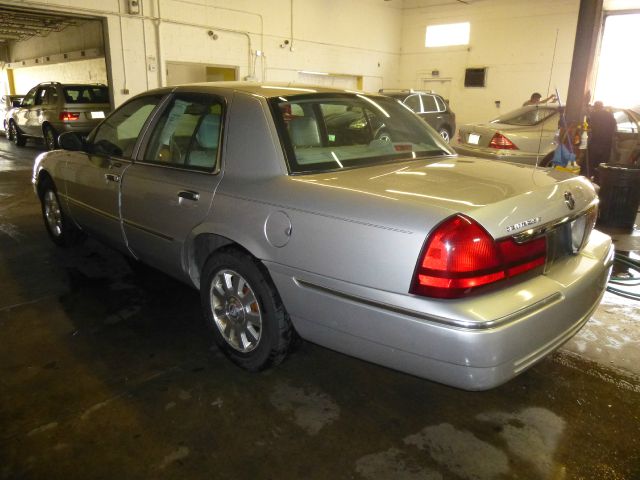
(322, 132)
(526, 116)
(86, 94)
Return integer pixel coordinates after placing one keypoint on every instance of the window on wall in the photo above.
(447, 35)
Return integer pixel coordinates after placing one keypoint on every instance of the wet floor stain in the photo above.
(461, 452)
(312, 410)
(391, 465)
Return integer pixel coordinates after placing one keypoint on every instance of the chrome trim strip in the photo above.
(92, 209)
(460, 324)
(129, 223)
(534, 232)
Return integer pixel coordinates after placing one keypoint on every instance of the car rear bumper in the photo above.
(82, 128)
(481, 343)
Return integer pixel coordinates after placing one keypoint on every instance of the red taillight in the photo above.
(65, 116)
(460, 256)
(501, 142)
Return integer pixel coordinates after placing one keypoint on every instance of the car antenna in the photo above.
(553, 61)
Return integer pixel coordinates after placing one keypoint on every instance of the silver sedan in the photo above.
(290, 212)
(528, 135)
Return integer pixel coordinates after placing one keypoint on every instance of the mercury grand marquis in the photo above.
(339, 216)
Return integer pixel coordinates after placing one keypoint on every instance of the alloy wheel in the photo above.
(236, 311)
(52, 213)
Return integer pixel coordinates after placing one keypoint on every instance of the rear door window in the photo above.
(442, 107)
(429, 104)
(188, 133)
(86, 94)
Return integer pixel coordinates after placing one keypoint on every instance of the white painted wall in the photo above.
(514, 39)
(81, 71)
(352, 37)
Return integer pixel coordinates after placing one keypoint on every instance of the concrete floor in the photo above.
(107, 374)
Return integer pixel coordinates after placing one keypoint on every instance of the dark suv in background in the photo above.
(430, 106)
(52, 108)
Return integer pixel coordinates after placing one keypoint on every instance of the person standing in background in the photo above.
(602, 128)
(536, 99)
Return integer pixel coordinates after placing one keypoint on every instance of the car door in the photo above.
(93, 178)
(21, 115)
(626, 137)
(36, 112)
(168, 191)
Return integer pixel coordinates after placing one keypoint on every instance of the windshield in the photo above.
(526, 116)
(323, 132)
(86, 94)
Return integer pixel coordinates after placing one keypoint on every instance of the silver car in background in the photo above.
(7, 102)
(527, 135)
(290, 213)
(52, 108)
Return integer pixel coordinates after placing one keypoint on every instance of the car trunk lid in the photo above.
(504, 198)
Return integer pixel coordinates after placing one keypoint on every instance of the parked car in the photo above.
(393, 249)
(7, 102)
(51, 108)
(527, 135)
(431, 107)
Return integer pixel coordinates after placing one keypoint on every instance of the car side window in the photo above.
(118, 134)
(429, 104)
(41, 96)
(29, 98)
(442, 107)
(413, 102)
(188, 133)
(624, 123)
(53, 96)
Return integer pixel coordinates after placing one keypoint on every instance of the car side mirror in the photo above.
(70, 141)
(16, 103)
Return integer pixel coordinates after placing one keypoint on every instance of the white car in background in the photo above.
(7, 102)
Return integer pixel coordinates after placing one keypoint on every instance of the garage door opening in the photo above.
(38, 46)
(618, 69)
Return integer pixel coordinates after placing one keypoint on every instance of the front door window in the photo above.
(118, 134)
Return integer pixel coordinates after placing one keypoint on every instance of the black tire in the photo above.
(50, 137)
(445, 134)
(62, 231)
(546, 161)
(229, 313)
(7, 132)
(18, 139)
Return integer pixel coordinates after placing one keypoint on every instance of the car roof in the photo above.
(262, 89)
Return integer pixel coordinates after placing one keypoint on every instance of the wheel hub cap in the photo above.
(52, 213)
(236, 311)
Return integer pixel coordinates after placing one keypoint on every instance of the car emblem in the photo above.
(524, 223)
(569, 201)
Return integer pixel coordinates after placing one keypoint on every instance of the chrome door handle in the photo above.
(189, 195)
(112, 177)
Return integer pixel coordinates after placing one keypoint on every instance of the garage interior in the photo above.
(107, 368)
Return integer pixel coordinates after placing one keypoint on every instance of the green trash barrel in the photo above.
(619, 195)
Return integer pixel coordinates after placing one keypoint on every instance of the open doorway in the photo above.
(618, 68)
(182, 72)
